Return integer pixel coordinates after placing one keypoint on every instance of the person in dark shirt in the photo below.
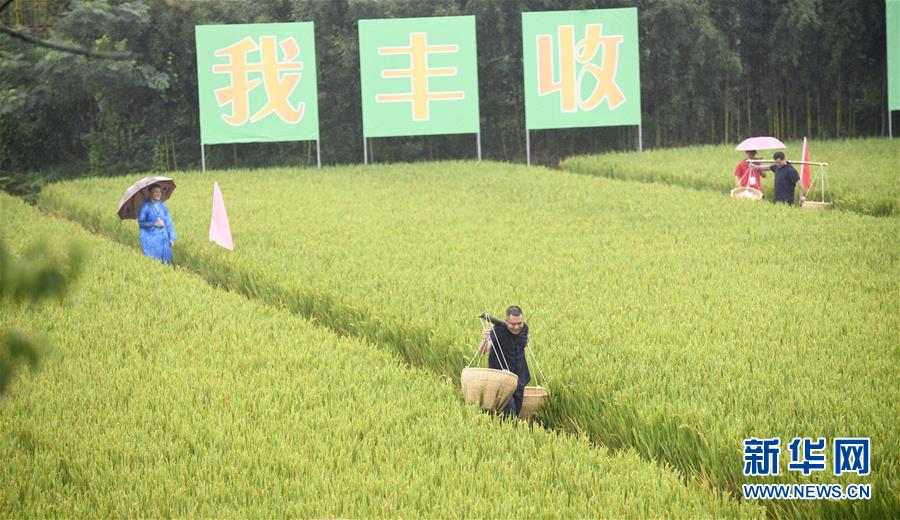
(507, 343)
(786, 178)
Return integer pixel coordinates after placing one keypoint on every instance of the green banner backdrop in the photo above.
(418, 76)
(257, 82)
(582, 68)
(892, 23)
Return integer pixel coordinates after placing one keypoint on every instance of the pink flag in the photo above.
(219, 230)
(804, 171)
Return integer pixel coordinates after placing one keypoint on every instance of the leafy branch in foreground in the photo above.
(40, 273)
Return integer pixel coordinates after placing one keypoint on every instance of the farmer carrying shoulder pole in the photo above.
(786, 178)
(507, 342)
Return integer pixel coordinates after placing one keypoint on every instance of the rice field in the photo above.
(669, 321)
(862, 175)
(163, 397)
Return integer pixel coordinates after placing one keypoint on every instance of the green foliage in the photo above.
(170, 398)
(862, 173)
(669, 321)
(27, 184)
(64, 107)
(41, 272)
(17, 350)
(23, 185)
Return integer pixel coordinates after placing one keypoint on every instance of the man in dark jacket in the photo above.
(786, 178)
(507, 342)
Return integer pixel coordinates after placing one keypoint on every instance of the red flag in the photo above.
(219, 230)
(804, 171)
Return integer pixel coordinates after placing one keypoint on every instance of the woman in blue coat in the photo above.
(157, 229)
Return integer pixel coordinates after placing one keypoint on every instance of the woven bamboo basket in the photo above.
(488, 388)
(814, 204)
(746, 194)
(534, 398)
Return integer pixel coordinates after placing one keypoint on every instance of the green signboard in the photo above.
(257, 82)
(892, 22)
(418, 76)
(582, 68)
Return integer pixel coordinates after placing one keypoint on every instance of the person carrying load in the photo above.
(745, 176)
(507, 341)
(786, 178)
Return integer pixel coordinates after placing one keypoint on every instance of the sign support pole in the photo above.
(890, 130)
(527, 148)
(478, 141)
(365, 151)
(640, 138)
(202, 157)
(318, 154)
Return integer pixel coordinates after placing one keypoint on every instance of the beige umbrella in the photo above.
(137, 193)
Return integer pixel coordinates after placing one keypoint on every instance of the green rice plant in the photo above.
(862, 173)
(670, 321)
(166, 397)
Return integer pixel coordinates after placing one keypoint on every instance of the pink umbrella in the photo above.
(760, 143)
(137, 193)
